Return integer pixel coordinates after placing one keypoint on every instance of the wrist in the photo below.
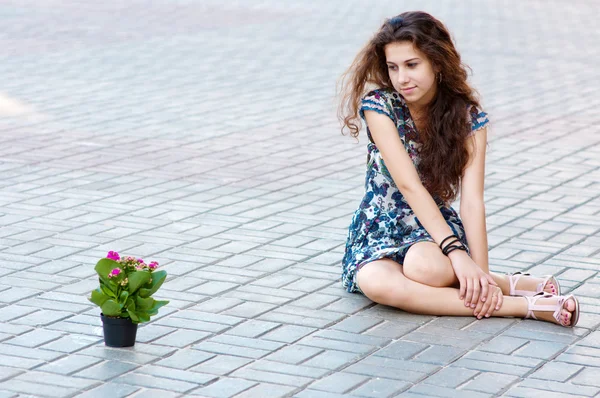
(457, 254)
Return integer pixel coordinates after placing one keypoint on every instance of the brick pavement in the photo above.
(203, 135)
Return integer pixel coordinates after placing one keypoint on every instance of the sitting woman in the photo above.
(407, 247)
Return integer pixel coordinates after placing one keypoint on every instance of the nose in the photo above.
(403, 77)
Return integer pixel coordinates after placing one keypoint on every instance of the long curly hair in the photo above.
(444, 153)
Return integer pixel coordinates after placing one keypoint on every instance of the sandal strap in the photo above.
(554, 308)
(513, 279)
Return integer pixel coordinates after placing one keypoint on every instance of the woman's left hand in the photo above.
(493, 303)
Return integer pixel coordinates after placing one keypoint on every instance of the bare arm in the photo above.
(472, 207)
(473, 280)
(405, 175)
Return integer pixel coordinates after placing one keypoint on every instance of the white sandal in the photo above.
(513, 279)
(557, 307)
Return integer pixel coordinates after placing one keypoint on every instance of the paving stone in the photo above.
(53, 380)
(503, 345)
(225, 388)
(118, 354)
(357, 324)
(401, 350)
(435, 391)
(339, 383)
(294, 370)
(267, 390)
(332, 360)
(8, 373)
(106, 370)
(185, 359)
(151, 381)
(182, 338)
(70, 364)
(253, 328)
(310, 393)
(248, 309)
(338, 345)
(451, 377)
(556, 371)
(380, 388)
(491, 383)
(220, 365)
(288, 333)
(112, 389)
(587, 377)
(391, 369)
(26, 352)
(393, 330)
(27, 387)
(35, 338)
(533, 387)
(270, 377)
(158, 393)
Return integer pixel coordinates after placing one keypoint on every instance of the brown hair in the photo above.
(444, 153)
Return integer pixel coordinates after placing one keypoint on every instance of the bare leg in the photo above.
(384, 282)
(425, 263)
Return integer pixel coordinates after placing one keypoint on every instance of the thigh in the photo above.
(425, 263)
(381, 281)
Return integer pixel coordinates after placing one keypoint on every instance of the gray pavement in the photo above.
(202, 134)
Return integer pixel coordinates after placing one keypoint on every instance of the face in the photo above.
(411, 73)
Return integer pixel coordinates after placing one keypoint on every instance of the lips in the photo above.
(408, 90)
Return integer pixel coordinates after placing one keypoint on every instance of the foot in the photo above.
(561, 310)
(526, 285)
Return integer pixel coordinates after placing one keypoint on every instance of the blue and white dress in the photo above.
(384, 225)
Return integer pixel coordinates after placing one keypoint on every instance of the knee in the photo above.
(382, 285)
(428, 267)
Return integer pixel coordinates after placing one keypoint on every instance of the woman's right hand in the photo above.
(474, 282)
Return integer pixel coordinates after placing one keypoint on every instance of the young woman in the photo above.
(407, 247)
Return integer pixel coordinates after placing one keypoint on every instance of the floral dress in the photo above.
(384, 225)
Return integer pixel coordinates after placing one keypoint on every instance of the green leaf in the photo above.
(133, 316)
(143, 316)
(103, 268)
(130, 305)
(123, 298)
(156, 306)
(158, 278)
(138, 279)
(144, 303)
(111, 308)
(98, 297)
(107, 290)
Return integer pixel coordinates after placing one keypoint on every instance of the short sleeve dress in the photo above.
(384, 225)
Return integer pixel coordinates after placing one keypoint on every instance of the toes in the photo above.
(565, 317)
(570, 305)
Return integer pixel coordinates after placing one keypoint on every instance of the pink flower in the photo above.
(139, 260)
(153, 265)
(113, 256)
(114, 272)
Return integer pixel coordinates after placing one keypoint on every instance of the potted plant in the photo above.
(125, 296)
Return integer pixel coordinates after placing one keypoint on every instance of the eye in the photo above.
(412, 64)
(392, 67)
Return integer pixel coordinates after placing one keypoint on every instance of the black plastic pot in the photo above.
(118, 332)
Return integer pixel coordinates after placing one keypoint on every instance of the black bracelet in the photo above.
(449, 249)
(446, 238)
(452, 241)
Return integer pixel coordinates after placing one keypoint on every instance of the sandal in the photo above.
(557, 307)
(513, 279)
